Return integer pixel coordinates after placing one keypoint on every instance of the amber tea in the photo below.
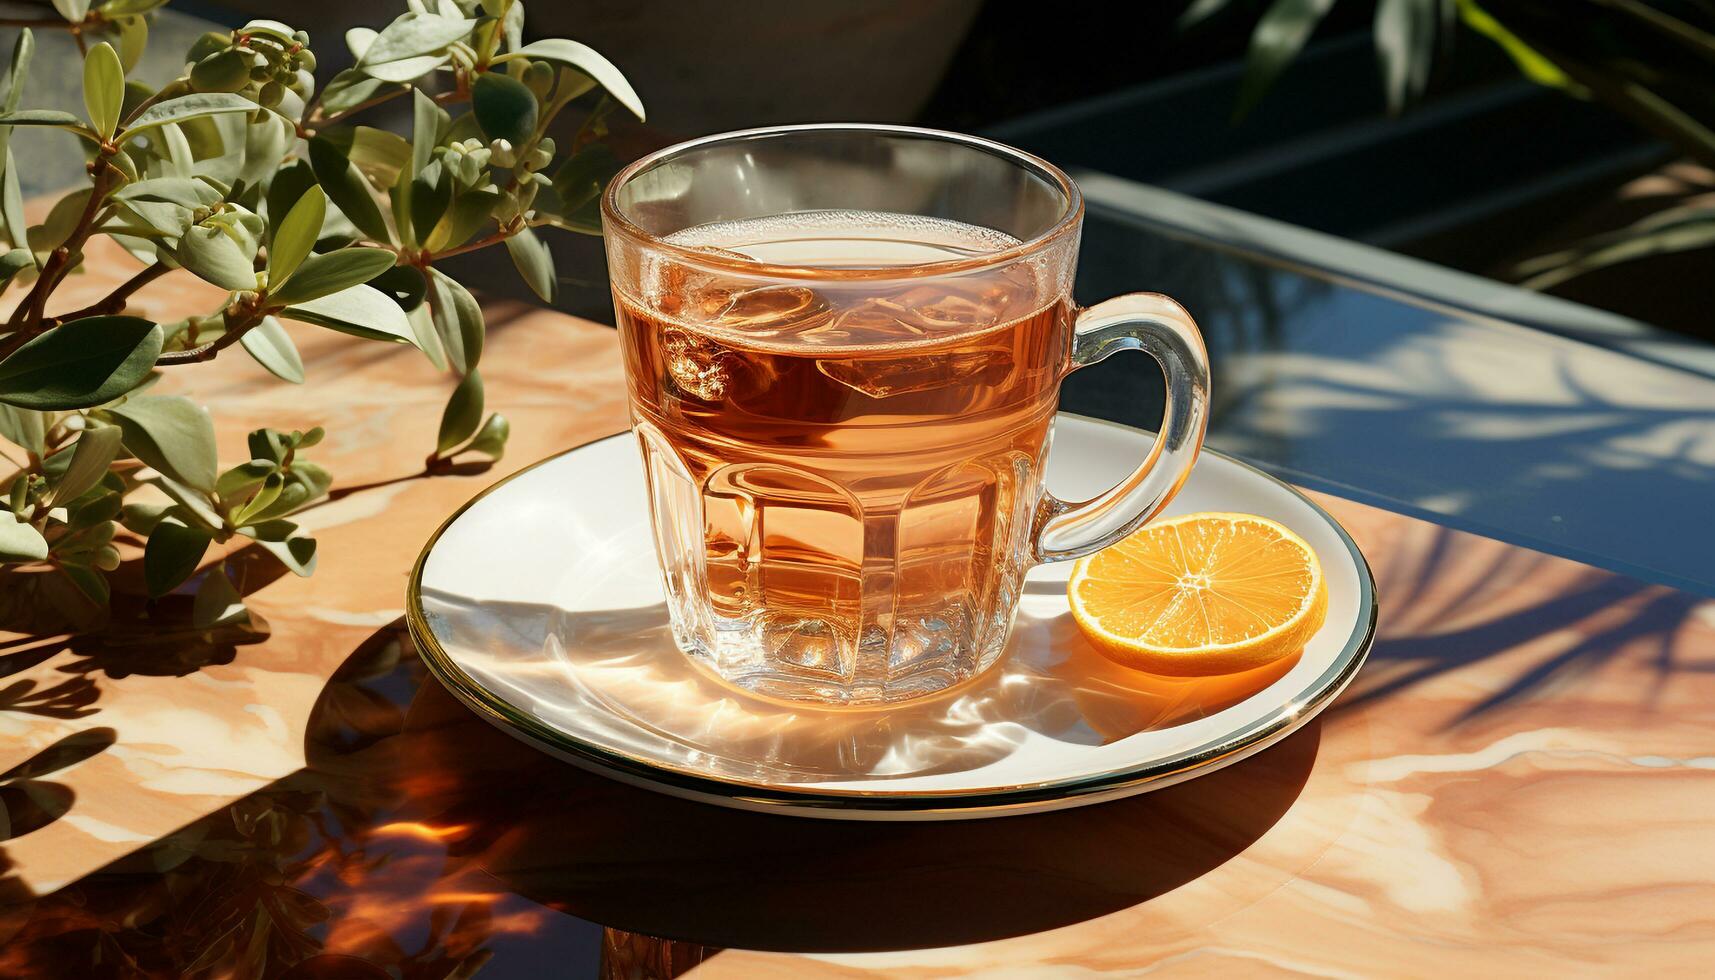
(845, 471)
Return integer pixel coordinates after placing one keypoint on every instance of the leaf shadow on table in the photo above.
(643, 862)
(1460, 597)
(28, 801)
(145, 637)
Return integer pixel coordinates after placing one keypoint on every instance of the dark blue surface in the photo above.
(1465, 420)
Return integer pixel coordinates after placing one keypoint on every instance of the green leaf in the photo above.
(490, 440)
(378, 154)
(12, 263)
(272, 347)
(423, 328)
(295, 235)
(193, 504)
(243, 478)
(1678, 229)
(140, 519)
(23, 428)
(1199, 11)
(124, 8)
(343, 183)
(359, 310)
(535, 264)
(1405, 45)
(80, 364)
(97, 506)
(411, 46)
(505, 108)
(74, 11)
(296, 552)
(92, 454)
(462, 416)
(332, 272)
(172, 555)
(469, 211)
(358, 40)
(458, 322)
(266, 493)
(264, 145)
(91, 583)
(12, 202)
(289, 184)
(186, 192)
(61, 220)
(217, 601)
(20, 541)
(352, 88)
(266, 444)
(429, 124)
(136, 93)
(184, 108)
(103, 88)
(22, 51)
(310, 476)
(273, 28)
(580, 180)
(1530, 63)
(573, 200)
(173, 435)
(512, 24)
(133, 41)
(587, 60)
(405, 283)
(426, 203)
(293, 495)
(1280, 34)
(44, 117)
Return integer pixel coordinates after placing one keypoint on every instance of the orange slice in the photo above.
(1200, 594)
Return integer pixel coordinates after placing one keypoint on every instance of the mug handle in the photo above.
(1152, 323)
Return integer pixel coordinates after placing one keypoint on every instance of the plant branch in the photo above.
(46, 22)
(208, 351)
(28, 317)
(115, 301)
(315, 120)
(493, 238)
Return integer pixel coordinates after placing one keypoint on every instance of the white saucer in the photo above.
(539, 605)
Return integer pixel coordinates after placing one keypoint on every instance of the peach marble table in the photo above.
(1521, 781)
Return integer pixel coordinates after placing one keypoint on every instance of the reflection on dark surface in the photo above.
(421, 843)
(1512, 432)
(624, 857)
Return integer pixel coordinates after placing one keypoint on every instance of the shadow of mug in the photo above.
(643, 862)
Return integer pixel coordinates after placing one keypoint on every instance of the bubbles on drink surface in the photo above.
(719, 309)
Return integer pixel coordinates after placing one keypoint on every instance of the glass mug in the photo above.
(844, 346)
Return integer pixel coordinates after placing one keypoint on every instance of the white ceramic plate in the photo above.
(539, 605)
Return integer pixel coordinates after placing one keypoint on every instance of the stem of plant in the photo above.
(114, 302)
(208, 351)
(493, 238)
(29, 313)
